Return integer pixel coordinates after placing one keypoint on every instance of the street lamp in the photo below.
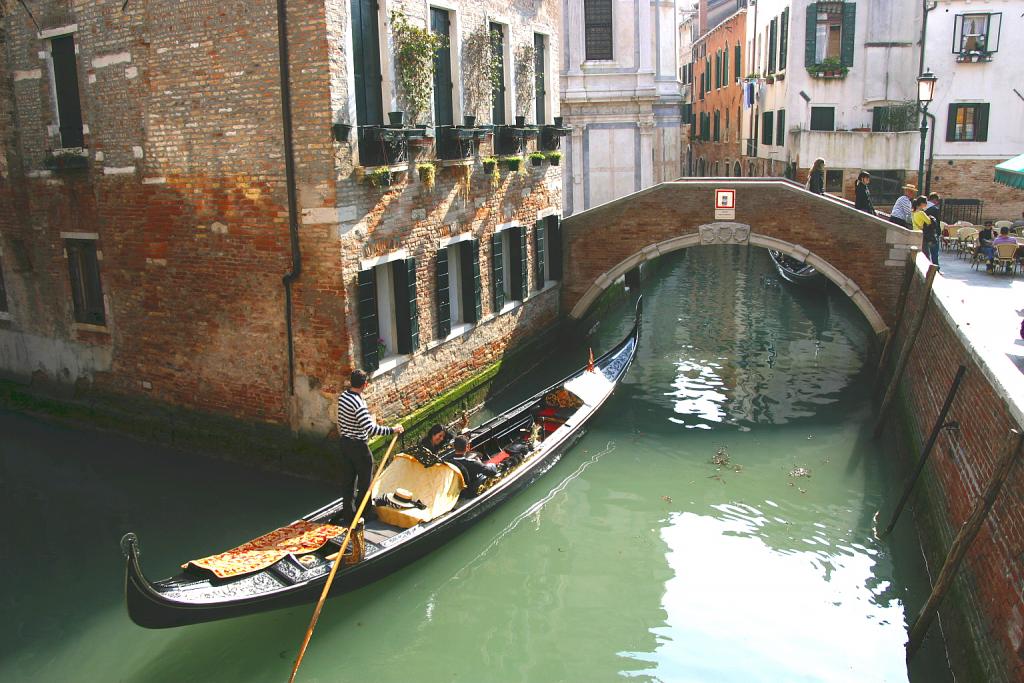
(925, 94)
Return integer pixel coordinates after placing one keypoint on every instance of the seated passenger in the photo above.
(469, 463)
(436, 439)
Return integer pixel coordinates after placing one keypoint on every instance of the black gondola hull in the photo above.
(162, 605)
(797, 273)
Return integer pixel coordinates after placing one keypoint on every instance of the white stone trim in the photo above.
(544, 213)
(111, 59)
(79, 235)
(157, 180)
(506, 226)
(118, 170)
(320, 216)
(5, 315)
(58, 31)
(27, 74)
(454, 239)
(390, 363)
(367, 263)
(89, 327)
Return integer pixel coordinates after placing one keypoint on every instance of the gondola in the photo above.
(197, 595)
(796, 272)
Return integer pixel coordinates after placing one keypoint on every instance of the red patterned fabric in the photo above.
(259, 553)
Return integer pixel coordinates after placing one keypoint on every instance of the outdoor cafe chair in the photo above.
(966, 240)
(1005, 257)
(999, 225)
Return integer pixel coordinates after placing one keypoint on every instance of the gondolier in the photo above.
(356, 426)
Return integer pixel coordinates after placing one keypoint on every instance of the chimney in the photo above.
(702, 17)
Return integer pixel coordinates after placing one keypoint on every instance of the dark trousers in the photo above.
(356, 467)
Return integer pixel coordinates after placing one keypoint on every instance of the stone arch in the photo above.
(733, 233)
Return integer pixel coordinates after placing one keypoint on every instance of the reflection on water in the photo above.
(714, 525)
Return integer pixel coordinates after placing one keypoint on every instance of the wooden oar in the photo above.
(339, 556)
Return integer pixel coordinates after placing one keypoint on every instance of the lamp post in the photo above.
(925, 94)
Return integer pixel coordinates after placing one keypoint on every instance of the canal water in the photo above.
(714, 525)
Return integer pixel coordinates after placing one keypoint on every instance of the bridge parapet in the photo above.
(863, 254)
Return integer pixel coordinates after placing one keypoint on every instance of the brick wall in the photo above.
(185, 188)
(975, 179)
(984, 613)
(727, 100)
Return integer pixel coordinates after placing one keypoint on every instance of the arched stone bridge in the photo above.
(864, 255)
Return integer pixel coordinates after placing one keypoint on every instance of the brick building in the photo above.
(718, 98)
(161, 240)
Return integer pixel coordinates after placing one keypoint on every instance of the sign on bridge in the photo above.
(725, 205)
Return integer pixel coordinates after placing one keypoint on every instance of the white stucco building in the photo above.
(621, 93)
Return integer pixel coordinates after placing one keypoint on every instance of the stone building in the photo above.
(175, 228)
(835, 80)
(621, 94)
(718, 98)
(975, 52)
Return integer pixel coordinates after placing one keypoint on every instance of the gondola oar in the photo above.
(339, 556)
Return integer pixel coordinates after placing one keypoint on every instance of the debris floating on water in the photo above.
(800, 472)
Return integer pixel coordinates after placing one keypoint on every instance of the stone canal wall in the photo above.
(983, 615)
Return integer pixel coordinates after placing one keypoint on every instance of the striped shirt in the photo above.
(354, 419)
(902, 209)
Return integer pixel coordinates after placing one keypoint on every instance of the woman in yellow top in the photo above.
(924, 223)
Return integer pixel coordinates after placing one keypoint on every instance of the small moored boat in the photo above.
(523, 443)
(795, 271)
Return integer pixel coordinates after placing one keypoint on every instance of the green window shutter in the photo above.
(773, 35)
(366, 63)
(725, 66)
(767, 127)
(784, 40)
(369, 332)
(469, 255)
(524, 266)
(951, 123)
(718, 69)
(849, 33)
(538, 254)
(440, 24)
(780, 127)
(497, 274)
(737, 61)
(444, 306)
(981, 123)
(554, 239)
(812, 33)
(498, 53)
(407, 320)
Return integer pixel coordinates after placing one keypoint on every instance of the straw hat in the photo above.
(912, 188)
(401, 499)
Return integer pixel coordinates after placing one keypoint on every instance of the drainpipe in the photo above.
(289, 173)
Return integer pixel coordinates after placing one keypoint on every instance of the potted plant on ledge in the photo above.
(830, 67)
(554, 158)
(537, 158)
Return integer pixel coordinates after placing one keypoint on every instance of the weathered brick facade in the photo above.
(719, 155)
(975, 179)
(984, 612)
(184, 194)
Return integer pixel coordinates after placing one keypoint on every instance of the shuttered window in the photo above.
(406, 310)
(497, 273)
(831, 29)
(369, 330)
(388, 311)
(498, 50)
(440, 24)
(780, 127)
(520, 275)
(717, 135)
(540, 62)
(443, 294)
(457, 287)
(65, 81)
(784, 39)
(86, 290)
(554, 247)
(469, 272)
(767, 127)
(718, 69)
(823, 118)
(366, 63)
(737, 61)
(539, 264)
(3, 289)
(725, 66)
(597, 29)
(773, 37)
(967, 122)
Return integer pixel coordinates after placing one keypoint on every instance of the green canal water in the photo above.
(636, 558)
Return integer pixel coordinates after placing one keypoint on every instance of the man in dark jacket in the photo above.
(864, 194)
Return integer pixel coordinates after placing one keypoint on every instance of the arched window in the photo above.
(727, 167)
(736, 170)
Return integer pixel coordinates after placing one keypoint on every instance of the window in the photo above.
(553, 244)
(737, 62)
(773, 37)
(84, 271)
(508, 267)
(830, 32)
(780, 127)
(597, 28)
(725, 66)
(727, 128)
(718, 69)
(886, 185)
(540, 61)
(767, 127)
(498, 49)
(736, 170)
(366, 63)
(718, 127)
(783, 39)
(834, 181)
(978, 33)
(440, 24)
(458, 285)
(388, 314)
(967, 122)
(3, 289)
(65, 81)
(895, 117)
(823, 118)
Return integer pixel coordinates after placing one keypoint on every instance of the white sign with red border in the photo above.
(725, 205)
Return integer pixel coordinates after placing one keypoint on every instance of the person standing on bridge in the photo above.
(929, 228)
(816, 178)
(864, 194)
(903, 209)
